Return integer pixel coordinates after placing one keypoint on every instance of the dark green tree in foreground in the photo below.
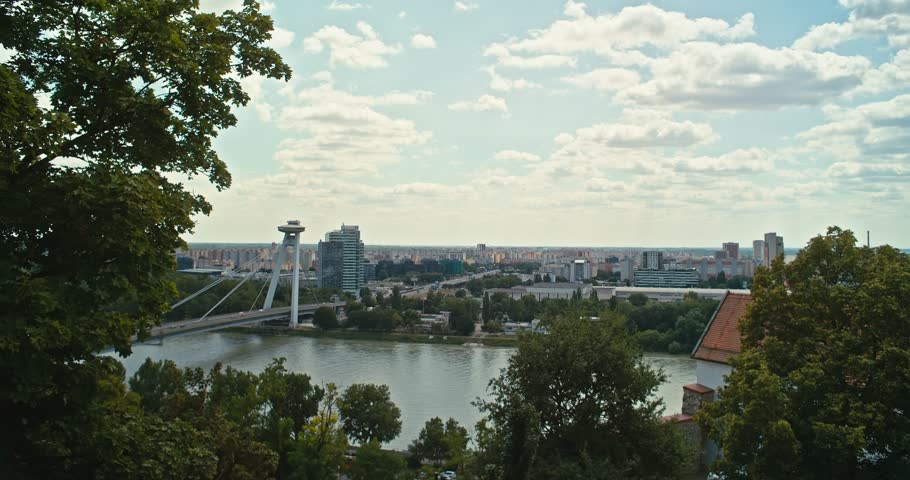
(325, 317)
(91, 212)
(368, 413)
(440, 443)
(578, 403)
(822, 388)
(372, 463)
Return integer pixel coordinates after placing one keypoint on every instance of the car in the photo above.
(447, 475)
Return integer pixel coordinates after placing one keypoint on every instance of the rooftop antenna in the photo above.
(868, 244)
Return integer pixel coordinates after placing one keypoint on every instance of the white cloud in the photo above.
(281, 38)
(264, 111)
(745, 76)
(464, 7)
(503, 84)
(753, 160)
(869, 18)
(6, 54)
(516, 156)
(337, 131)
(422, 41)
(877, 130)
(486, 103)
(343, 6)
(605, 79)
(631, 28)
(507, 59)
(574, 9)
(267, 6)
(346, 49)
(402, 14)
(893, 75)
(882, 171)
(640, 129)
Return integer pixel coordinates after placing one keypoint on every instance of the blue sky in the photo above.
(672, 123)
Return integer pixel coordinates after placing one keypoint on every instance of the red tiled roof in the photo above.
(697, 388)
(722, 339)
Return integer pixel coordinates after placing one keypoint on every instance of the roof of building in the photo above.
(722, 338)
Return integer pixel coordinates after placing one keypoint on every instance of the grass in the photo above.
(380, 336)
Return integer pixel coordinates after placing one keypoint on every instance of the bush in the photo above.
(325, 318)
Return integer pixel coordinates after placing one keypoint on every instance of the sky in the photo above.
(509, 122)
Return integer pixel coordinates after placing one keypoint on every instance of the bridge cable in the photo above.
(257, 296)
(247, 277)
(216, 282)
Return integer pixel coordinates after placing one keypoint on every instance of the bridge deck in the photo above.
(215, 322)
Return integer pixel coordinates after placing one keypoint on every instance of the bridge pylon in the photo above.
(292, 231)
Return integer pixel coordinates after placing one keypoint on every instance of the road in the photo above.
(421, 290)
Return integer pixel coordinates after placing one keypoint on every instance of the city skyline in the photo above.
(574, 124)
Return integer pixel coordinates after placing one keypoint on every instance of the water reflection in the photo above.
(426, 380)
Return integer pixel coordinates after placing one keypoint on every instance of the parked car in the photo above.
(447, 475)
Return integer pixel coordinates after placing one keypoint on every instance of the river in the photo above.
(425, 380)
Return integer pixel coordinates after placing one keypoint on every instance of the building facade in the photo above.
(652, 260)
(666, 278)
(331, 265)
(774, 247)
(351, 261)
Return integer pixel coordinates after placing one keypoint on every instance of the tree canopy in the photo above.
(90, 186)
(578, 403)
(368, 413)
(822, 386)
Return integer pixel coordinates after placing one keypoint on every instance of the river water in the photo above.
(425, 380)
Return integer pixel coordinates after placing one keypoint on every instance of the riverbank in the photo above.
(380, 336)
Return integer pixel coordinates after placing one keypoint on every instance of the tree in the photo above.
(580, 402)
(137, 92)
(318, 452)
(324, 317)
(461, 293)
(822, 386)
(547, 278)
(395, 300)
(721, 278)
(638, 299)
(438, 442)
(368, 413)
(594, 295)
(372, 463)
(486, 310)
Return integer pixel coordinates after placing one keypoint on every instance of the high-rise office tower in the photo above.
(341, 260)
(774, 247)
(652, 260)
(758, 252)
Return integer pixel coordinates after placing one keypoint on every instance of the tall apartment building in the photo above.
(758, 252)
(732, 250)
(774, 247)
(580, 270)
(341, 260)
(652, 260)
(331, 265)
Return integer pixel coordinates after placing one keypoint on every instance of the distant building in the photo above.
(758, 252)
(452, 266)
(185, 262)
(542, 291)
(774, 247)
(369, 271)
(732, 250)
(331, 265)
(351, 261)
(580, 270)
(627, 270)
(666, 278)
(652, 260)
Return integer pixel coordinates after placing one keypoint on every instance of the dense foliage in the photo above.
(822, 388)
(577, 403)
(368, 413)
(91, 205)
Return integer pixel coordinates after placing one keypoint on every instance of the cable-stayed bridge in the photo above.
(292, 315)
